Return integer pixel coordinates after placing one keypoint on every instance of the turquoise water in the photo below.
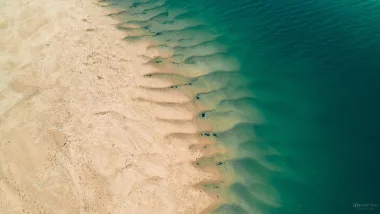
(291, 88)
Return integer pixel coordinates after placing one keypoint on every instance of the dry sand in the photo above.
(73, 136)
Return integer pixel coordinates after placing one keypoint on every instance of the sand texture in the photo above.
(75, 133)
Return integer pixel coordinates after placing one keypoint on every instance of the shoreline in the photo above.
(84, 142)
(188, 93)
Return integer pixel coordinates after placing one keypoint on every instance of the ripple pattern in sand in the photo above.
(190, 58)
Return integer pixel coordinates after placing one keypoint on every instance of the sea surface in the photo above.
(292, 88)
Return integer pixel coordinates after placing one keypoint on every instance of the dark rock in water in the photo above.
(157, 34)
(197, 97)
(157, 61)
(203, 115)
(190, 83)
(219, 163)
(214, 135)
(207, 134)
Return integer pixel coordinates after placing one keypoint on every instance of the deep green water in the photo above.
(301, 77)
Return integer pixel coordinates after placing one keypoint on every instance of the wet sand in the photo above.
(79, 130)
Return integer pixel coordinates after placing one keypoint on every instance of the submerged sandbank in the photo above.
(76, 135)
(195, 57)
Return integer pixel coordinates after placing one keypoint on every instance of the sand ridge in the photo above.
(74, 137)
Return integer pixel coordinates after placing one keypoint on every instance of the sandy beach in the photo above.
(78, 133)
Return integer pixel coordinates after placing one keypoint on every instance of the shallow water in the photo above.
(290, 88)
